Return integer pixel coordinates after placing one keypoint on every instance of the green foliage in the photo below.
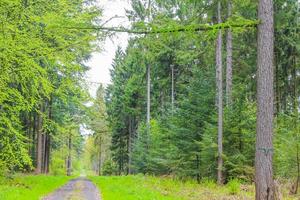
(287, 142)
(233, 186)
(109, 168)
(182, 140)
(41, 74)
(57, 166)
(97, 144)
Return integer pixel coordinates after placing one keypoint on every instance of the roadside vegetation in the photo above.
(165, 188)
(29, 187)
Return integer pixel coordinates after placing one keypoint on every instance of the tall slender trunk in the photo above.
(39, 148)
(148, 84)
(44, 138)
(148, 100)
(69, 161)
(172, 89)
(100, 157)
(34, 138)
(229, 59)
(219, 98)
(264, 183)
(47, 154)
(48, 140)
(277, 83)
(198, 175)
(129, 145)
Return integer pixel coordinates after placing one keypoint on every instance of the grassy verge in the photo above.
(127, 188)
(154, 188)
(29, 187)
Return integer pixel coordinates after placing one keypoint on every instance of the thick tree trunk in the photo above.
(264, 183)
(229, 59)
(219, 98)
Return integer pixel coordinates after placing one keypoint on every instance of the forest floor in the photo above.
(29, 187)
(76, 189)
(158, 188)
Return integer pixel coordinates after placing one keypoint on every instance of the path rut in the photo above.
(76, 189)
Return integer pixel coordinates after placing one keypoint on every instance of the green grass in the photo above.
(127, 188)
(158, 188)
(154, 188)
(29, 187)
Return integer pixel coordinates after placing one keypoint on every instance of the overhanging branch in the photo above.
(191, 28)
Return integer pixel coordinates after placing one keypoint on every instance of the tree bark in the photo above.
(148, 102)
(229, 59)
(219, 97)
(264, 183)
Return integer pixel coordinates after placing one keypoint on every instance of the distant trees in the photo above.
(41, 79)
(102, 137)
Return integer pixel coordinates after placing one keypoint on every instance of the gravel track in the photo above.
(76, 189)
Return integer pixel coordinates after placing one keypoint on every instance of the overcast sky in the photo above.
(100, 63)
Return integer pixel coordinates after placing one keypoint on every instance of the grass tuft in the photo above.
(234, 186)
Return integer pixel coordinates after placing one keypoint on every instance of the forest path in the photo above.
(76, 189)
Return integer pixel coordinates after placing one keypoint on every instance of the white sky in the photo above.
(100, 63)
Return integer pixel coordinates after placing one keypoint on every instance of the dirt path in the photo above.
(76, 189)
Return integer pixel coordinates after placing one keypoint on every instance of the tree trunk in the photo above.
(219, 97)
(229, 59)
(48, 140)
(69, 161)
(172, 89)
(129, 148)
(47, 154)
(44, 151)
(264, 183)
(34, 138)
(148, 103)
(100, 157)
(39, 148)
